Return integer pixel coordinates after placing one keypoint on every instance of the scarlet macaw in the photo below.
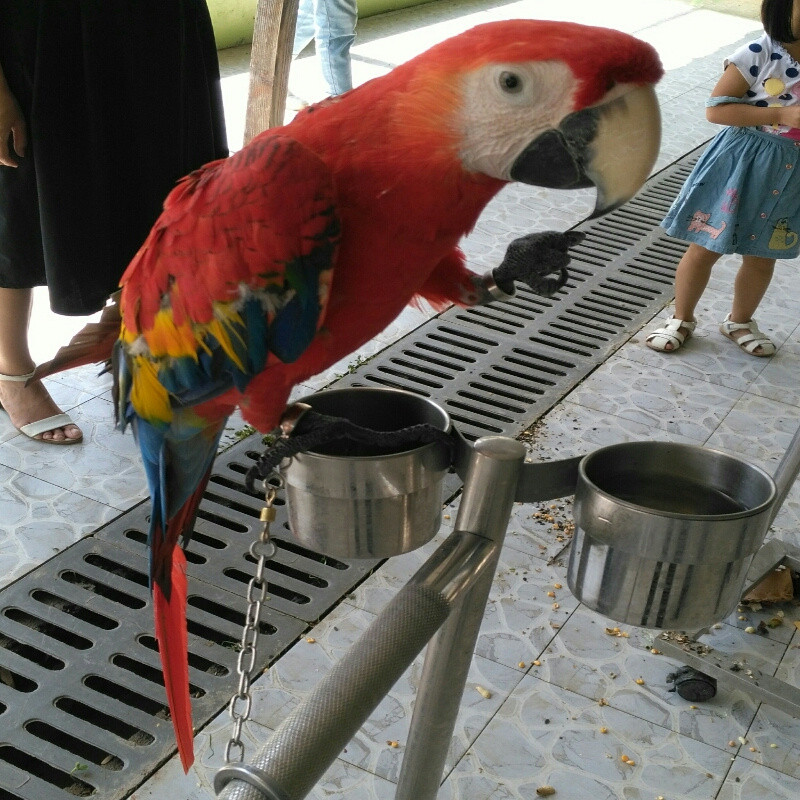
(269, 266)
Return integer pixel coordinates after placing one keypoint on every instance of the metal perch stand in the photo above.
(635, 556)
(448, 594)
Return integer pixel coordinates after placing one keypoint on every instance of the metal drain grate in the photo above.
(82, 705)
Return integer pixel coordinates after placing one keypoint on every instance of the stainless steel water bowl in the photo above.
(664, 533)
(347, 503)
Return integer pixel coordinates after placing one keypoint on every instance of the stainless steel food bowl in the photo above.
(348, 502)
(664, 533)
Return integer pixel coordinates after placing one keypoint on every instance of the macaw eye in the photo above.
(510, 82)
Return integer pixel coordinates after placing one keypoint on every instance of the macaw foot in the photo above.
(538, 260)
(33, 411)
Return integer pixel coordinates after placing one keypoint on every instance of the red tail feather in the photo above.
(170, 623)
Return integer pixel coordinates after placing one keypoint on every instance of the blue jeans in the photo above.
(332, 25)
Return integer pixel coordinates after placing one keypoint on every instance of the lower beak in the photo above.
(611, 146)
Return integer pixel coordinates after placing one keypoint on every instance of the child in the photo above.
(743, 196)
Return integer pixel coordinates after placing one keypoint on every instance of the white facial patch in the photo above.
(506, 106)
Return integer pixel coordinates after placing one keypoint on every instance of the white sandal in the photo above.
(34, 429)
(751, 341)
(670, 334)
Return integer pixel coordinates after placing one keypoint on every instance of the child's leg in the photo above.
(751, 283)
(691, 279)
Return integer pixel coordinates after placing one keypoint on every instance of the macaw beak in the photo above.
(611, 146)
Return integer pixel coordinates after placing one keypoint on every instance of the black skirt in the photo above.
(122, 98)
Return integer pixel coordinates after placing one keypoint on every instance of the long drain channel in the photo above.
(82, 705)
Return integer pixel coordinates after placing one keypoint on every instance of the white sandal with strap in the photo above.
(34, 429)
(750, 341)
(670, 334)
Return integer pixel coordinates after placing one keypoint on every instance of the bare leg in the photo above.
(752, 281)
(24, 404)
(691, 279)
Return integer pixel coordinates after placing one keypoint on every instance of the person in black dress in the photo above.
(104, 105)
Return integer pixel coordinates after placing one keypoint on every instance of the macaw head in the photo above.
(552, 104)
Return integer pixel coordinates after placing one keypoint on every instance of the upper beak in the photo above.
(611, 146)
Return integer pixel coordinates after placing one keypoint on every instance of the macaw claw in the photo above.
(538, 260)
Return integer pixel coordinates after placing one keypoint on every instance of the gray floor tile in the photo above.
(747, 780)
(602, 660)
(548, 736)
(757, 430)
(774, 727)
(529, 605)
(657, 397)
(39, 519)
(106, 467)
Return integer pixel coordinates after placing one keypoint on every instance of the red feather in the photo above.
(170, 625)
(169, 586)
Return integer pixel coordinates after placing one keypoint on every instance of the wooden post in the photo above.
(270, 59)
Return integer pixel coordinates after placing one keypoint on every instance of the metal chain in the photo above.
(262, 549)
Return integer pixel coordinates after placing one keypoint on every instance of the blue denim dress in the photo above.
(743, 196)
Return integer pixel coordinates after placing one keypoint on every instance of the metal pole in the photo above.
(484, 512)
(308, 741)
(295, 757)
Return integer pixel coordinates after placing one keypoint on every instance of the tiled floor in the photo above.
(544, 724)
